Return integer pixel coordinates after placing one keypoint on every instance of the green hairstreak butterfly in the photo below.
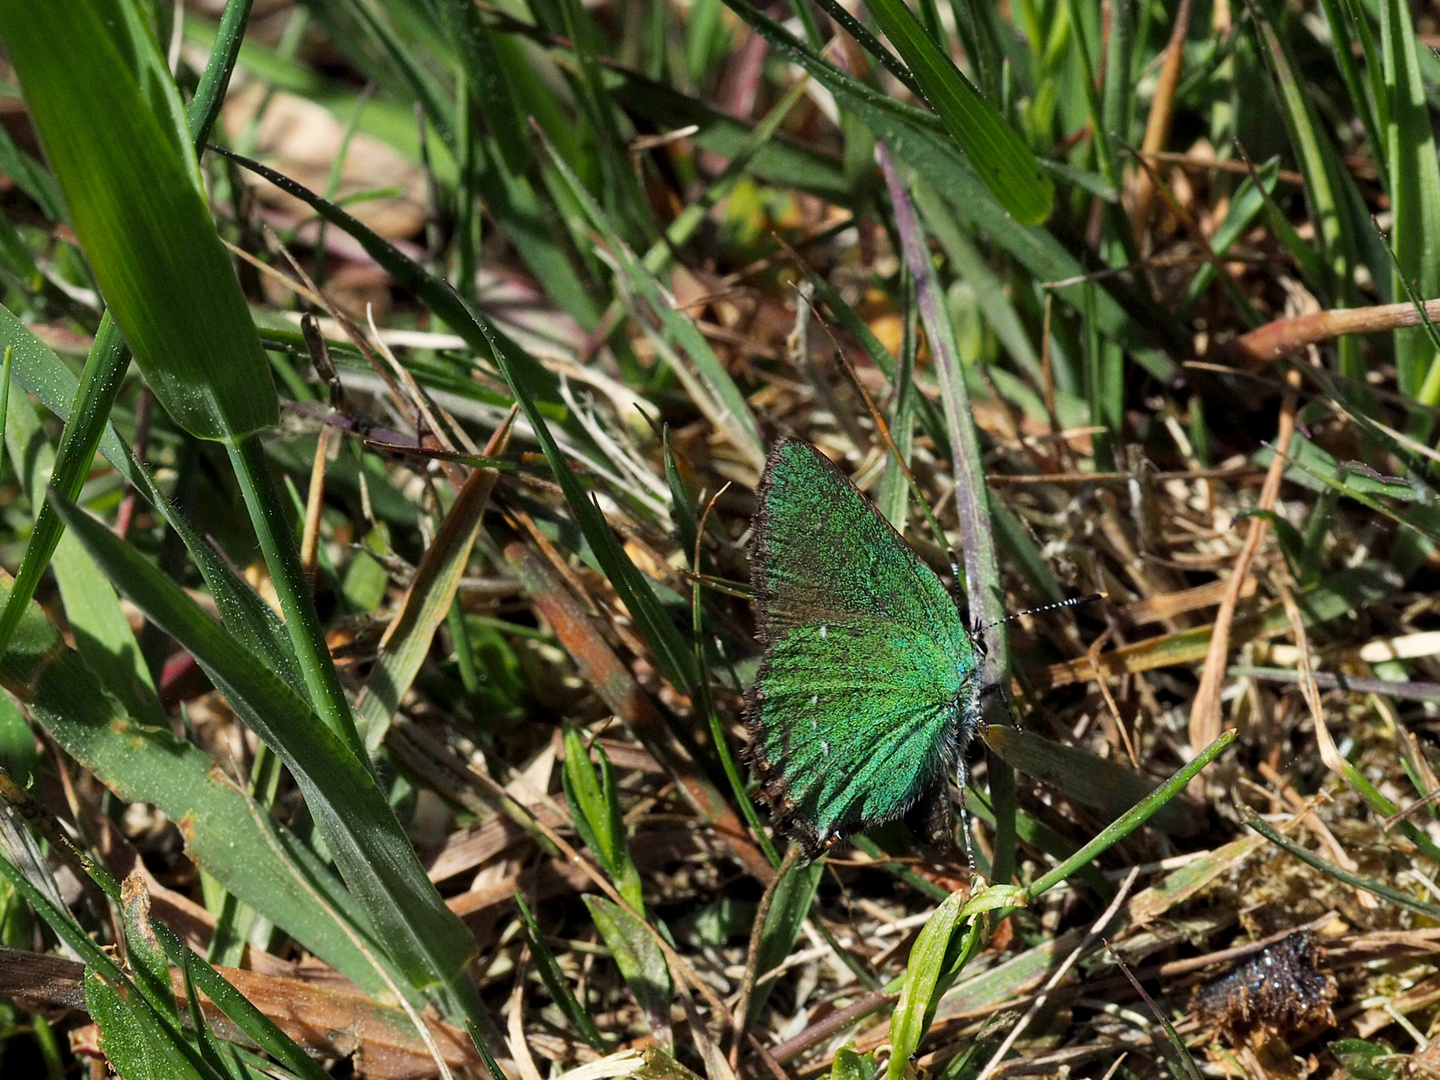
(867, 694)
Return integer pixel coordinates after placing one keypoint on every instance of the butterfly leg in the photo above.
(996, 688)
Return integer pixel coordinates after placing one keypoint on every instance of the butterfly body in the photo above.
(867, 691)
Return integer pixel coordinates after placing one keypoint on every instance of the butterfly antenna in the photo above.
(962, 777)
(1074, 601)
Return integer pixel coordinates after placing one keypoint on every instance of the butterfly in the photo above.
(868, 692)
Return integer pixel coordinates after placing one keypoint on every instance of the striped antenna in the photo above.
(1074, 601)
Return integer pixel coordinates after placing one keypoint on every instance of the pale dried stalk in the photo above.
(1205, 711)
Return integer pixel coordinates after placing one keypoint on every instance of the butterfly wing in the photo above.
(868, 669)
(822, 553)
(853, 726)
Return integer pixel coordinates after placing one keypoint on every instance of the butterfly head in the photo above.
(977, 639)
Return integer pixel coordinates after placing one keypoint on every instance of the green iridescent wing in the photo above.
(822, 552)
(867, 675)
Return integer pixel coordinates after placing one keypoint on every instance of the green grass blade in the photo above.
(210, 93)
(479, 56)
(92, 399)
(138, 1041)
(620, 182)
(1324, 178)
(42, 374)
(1348, 22)
(1394, 896)
(594, 802)
(789, 908)
(995, 150)
(143, 954)
(641, 963)
(132, 187)
(554, 979)
(101, 631)
(107, 361)
(1132, 819)
(277, 542)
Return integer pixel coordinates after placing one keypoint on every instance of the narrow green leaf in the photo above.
(1324, 176)
(789, 908)
(554, 979)
(1414, 173)
(594, 802)
(145, 958)
(921, 992)
(1140, 813)
(215, 79)
(137, 1045)
(640, 960)
(1345, 877)
(479, 56)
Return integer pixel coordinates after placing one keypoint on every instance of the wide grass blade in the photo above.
(640, 960)
(423, 937)
(40, 372)
(789, 908)
(136, 204)
(102, 633)
(949, 938)
(594, 802)
(229, 837)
